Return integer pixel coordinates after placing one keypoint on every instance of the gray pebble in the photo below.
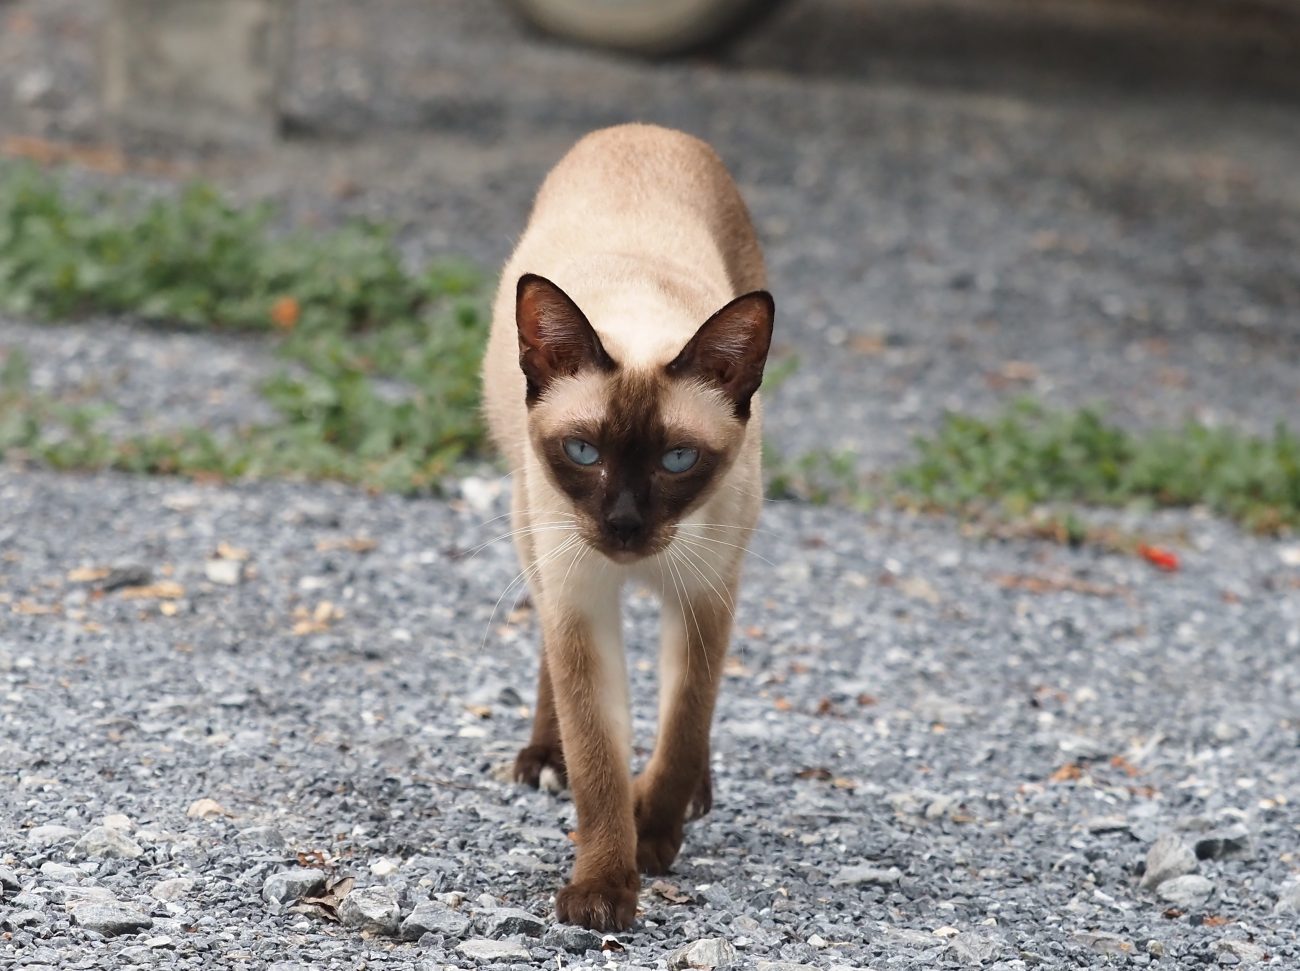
(62, 872)
(1222, 844)
(712, 952)
(290, 885)
(173, 889)
(1288, 900)
(267, 837)
(1189, 890)
(372, 909)
(110, 919)
(105, 842)
(480, 949)
(508, 921)
(865, 873)
(432, 917)
(783, 966)
(22, 918)
(51, 835)
(9, 880)
(971, 948)
(1168, 857)
(575, 940)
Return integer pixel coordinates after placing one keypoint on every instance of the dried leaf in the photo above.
(162, 590)
(33, 609)
(1055, 584)
(1215, 920)
(1069, 772)
(670, 892)
(820, 773)
(783, 704)
(353, 544)
(227, 552)
(312, 858)
(865, 699)
(88, 574)
(612, 944)
(1119, 762)
(285, 312)
(327, 904)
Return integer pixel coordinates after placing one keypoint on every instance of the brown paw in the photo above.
(656, 849)
(599, 905)
(702, 801)
(542, 767)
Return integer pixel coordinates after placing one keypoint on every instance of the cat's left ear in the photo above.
(730, 348)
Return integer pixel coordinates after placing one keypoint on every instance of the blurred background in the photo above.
(963, 201)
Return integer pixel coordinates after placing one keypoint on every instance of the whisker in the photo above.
(525, 575)
(528, 530)
(698, 633)
(691, 537)
(691, 555)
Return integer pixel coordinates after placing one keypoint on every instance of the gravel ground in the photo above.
(933, 749)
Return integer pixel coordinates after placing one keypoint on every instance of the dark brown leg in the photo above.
(676, 783)
(544, 750)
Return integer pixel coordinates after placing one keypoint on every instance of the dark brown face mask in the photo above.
(630, 477)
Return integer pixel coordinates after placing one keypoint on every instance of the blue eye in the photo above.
(679, 459)
(584, 453)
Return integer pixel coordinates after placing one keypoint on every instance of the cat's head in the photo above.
(636, 448)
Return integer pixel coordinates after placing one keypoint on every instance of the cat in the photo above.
(628, 341)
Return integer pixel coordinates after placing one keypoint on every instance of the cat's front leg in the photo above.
(676, 785)
(589, 676)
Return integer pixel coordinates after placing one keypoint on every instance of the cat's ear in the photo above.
(555, 337)
(730, 348)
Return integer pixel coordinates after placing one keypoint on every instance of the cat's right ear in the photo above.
(555, 337)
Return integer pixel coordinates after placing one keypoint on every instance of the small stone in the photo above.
(711, 952)
(1168, 857)
(51, 835)
(126, 575)
(267, 837)
(162, 940)
(290, 885)
(862, 874)
(118, 822)
(173, 889)
(1246, 952)
(74, 896)
(971, 948)
(106, 843)
(135, 954)
(1288, 900)
(62, 872)
(9, 880)
(110, 919)
(783, 966)
(508, 921)
(206, 808)
(1156, 948)
(431, 917)
(21, 918)
(575, 940)
(372, 909)
(1223, 844)
(384, 867)
(480, 949)
(1104, 943)
(227, 573)
(1189, 890)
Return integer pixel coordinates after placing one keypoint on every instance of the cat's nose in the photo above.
(624, 521)
(625, 526)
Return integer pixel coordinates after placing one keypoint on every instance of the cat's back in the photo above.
(649, 191)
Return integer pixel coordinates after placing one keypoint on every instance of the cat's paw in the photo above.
(599, 905)
(656, 849)
(542, 767)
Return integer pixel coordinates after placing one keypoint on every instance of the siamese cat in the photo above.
(628, 342)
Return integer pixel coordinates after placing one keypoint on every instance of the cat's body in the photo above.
(633, 431)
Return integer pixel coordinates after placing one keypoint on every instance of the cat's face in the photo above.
(636, 450)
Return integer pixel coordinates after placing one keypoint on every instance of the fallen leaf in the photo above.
(826, 707)
(670, 892)
(1171, 913)
(1067, 773)
(33, 609)
(611, 944)
(353, 544)
(312, 858)
(1055, 584)
(327, 904)
(783, 704)
(1159, 557)
(865, 699)
(482, 711)
(88, 574)
(285, 312)
(1119, 762)
(820, 773)
(227, 552)
(869, 345)
(1215, 920)
(162, 590)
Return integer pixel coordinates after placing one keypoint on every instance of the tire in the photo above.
(652, 28)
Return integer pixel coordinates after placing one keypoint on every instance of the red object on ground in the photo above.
(1160, 558)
